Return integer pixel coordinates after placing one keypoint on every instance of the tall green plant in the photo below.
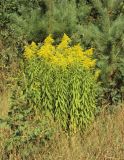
(59, 81)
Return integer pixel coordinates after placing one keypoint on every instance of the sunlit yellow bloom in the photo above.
(70, 60)
(63, 54)
(89, 52)
(97, 74)
(65, 38)
(77, 48)
(49, 40)
(64, 42)
(33, 46)
(30, 50)
(28, 53)
(46, 51)
(89, 63)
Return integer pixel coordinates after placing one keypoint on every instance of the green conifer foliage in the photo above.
(104, 30)
(21, 19)
(60, 17)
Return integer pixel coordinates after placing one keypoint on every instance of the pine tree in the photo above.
(104, 30)
(60, 17)
(21, 19)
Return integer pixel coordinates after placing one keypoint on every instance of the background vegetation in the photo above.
(94, 24)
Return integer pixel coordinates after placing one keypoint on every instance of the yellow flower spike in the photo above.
(64, 42)
(33, 46)
(65, 38)
(77, 47)
(30, 50)
(49, 40)
(28, 53)
(97, 74)
(93, 63)
(89, 52)
(89, 63)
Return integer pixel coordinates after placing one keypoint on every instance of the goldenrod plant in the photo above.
(67, 79)
(59, 81)
(61, 55)
(56, 84)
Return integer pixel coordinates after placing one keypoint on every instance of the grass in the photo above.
(4, 103)
(4, 106)
(104, 140)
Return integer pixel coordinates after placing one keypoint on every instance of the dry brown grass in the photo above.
(4, 107)
(4, 103)
(103, 141)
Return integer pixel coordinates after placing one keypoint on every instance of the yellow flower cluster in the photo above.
(62, 54)
(30, 50)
